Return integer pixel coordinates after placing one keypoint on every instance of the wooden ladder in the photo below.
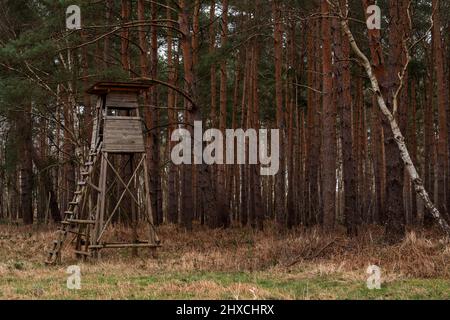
(72, 222)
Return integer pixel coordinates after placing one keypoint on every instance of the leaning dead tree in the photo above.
(398, 136)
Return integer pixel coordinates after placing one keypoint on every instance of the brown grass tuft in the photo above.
(421, 254)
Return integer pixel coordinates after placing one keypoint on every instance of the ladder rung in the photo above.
(77, 221)
(73, 203)
(124, 245)
(84, 173)
(78, 192)
(88, 164)
(81, 183)
(68, 212)
(84, 253)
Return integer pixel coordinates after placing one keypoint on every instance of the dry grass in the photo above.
(420, 255)
(232, 264)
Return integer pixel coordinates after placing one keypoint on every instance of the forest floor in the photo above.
(232, 264)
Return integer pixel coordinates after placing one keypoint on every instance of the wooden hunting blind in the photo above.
(113, 182)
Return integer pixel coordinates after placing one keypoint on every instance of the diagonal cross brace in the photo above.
(126, 185)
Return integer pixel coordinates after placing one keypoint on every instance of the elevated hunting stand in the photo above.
(113, 182)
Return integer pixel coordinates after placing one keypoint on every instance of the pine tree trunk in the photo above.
(124, 41)
(257, 210)
(233, 175)
(172, 206)
(222, 220)
(395, 211)
(313, 125)
(291, 211)
(213, 79)
(378, 161)
(187, 206)
(109, 4)
(378, 64)
(442, 99)
(280, 177)
(413, 146)
(243, 167)
(430, 145)
(344, 98)
(25, 132)
(328, 151)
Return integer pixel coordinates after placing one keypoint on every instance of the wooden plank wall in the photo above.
(122, 100)
(123, 135)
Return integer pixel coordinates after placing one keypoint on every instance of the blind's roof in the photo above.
(106, 87)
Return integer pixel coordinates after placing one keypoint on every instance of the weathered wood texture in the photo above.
(122, 100)
(123, 135)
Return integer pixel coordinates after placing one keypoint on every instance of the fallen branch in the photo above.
(300, 257)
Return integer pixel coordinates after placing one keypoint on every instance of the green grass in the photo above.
(51, 284)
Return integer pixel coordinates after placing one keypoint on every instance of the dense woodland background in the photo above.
(232, 64)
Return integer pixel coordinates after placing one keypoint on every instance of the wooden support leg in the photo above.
(100, 214)
(153, 238)
(134, 221)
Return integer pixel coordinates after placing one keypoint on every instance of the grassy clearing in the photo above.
(232, 265)
(47, 284)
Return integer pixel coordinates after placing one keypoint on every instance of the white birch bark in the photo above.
(399, 138)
